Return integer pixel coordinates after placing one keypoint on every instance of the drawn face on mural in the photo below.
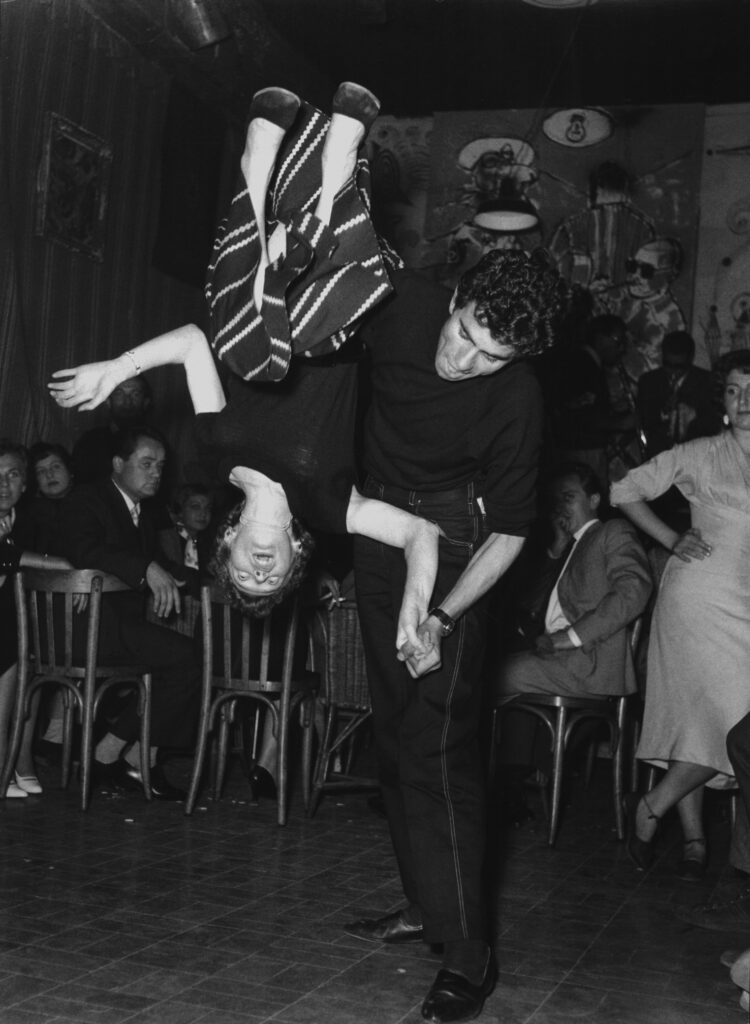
(652, 269)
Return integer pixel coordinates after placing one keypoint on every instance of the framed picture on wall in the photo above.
(72, 187)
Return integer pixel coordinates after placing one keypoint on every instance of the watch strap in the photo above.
(446, 621)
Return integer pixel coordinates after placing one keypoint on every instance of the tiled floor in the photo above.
(136, 913)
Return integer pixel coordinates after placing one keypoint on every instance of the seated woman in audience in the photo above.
(288, 448)
(13, 555)
(699, 652)
(51, 469)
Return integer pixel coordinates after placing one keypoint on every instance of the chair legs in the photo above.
(560, 721)
(559, 743)
(219, 715)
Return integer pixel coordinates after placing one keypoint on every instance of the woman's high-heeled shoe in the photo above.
(261, 784)
(275, 104)
(640, 851)
(28, 783)
(357, 102)
(14, 792)
(692, 867)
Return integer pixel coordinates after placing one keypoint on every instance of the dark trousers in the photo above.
(426, 729)
(126, 637)
(738, 749)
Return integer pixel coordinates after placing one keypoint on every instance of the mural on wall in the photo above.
(721, 320)
(616, 192)
(399, 153)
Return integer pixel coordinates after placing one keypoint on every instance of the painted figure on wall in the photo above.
(493, 168)
(646, 302)
(399, 153)
(592, 247)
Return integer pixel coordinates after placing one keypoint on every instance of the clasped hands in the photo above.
(419, 647)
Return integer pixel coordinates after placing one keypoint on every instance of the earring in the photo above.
(725, 420)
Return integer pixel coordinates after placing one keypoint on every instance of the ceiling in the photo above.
(421, 56)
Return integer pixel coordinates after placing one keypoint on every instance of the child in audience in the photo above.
(186, 545)
(191, 511)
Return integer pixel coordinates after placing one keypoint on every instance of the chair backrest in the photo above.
(50, 630)
(339, 656)
(244, 653)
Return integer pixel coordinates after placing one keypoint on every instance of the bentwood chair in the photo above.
(560, 716)
(344, 696)
(58, 646)
(251, 660)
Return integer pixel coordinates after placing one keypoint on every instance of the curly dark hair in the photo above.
(737, 360)
(258, 607)
(520, 297)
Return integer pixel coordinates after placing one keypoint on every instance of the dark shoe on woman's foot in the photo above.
(261, 784)
(357, 102)
(277, 105)
(640, 851)
(692, 867)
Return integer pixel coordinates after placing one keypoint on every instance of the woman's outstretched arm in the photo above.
(89, 385)
(687, 545)
(418, 538)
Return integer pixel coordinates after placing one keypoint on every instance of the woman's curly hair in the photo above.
(258, 607)
(520, 297)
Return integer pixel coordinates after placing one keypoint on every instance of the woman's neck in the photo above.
(742, 437)
(265, 499)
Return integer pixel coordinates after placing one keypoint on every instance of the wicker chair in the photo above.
(344, 696)
(48, 655)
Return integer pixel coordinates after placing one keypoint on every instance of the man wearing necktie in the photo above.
(109, 525)
(603, 585)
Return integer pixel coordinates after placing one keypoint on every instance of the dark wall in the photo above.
(58, 307)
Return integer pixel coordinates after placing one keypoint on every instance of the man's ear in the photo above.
(595, 501)
(117, 464)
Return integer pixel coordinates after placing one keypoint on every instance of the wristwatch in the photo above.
(447, 624)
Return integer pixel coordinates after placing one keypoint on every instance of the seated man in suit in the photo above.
(108, 525)
(603, 584)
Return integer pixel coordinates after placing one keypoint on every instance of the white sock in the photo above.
(54, 731)
(108, 749)
(338, 160)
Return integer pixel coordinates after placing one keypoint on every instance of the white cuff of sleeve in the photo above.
(574, 637)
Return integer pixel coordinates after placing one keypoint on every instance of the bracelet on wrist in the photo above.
(131, 356)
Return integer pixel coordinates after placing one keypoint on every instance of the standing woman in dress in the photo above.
(699, 652)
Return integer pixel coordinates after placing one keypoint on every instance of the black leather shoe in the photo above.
(261, 784)
(454, 998)
(125, 776)
(392, 928)
(162, 788)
